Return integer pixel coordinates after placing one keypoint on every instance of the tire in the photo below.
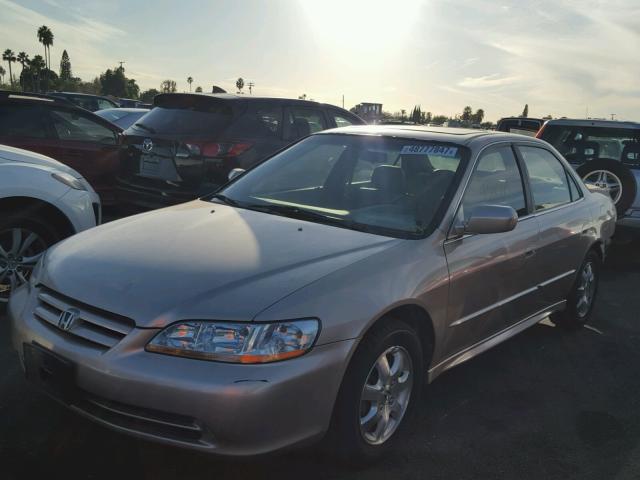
(617, 172)
(348, 440)
(10, 263)
(575, 315)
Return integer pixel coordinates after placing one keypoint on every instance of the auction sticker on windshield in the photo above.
(440, 150)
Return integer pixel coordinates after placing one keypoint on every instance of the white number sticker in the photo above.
(439, 150)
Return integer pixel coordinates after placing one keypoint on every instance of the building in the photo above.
(369, 112)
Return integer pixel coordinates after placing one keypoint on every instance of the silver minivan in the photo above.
(317, 292)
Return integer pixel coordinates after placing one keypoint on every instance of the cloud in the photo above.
(487, 81)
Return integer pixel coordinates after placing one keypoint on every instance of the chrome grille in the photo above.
(100, 328)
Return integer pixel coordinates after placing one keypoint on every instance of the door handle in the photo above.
(529, 253)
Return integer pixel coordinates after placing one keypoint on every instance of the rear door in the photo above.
(88, 145)
(562, 216)
(261, 127)
(491, 281)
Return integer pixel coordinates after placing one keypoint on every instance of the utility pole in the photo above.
(343, 100)
(251, 85)
(613, 116)
(121, 62)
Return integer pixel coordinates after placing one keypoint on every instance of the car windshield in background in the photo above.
(187, 115)
(393, 187)
(578, 143)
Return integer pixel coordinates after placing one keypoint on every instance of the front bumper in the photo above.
(215, 407)
(82, 208)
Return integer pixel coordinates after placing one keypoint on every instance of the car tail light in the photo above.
(217, 150)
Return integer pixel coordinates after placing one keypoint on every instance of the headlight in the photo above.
(69, 180)
(236, 342)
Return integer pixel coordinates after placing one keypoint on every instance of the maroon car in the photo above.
(71, 135)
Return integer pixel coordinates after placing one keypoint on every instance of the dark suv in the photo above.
(520, 125)
(56, 128)
(187, 144)
(93, 103)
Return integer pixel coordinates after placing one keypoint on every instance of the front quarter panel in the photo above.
(349, 301)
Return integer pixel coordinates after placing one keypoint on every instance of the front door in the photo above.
(491, 281)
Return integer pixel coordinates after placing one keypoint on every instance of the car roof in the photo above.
(521, 118)
(124, 109)
(462, 136)
(78, 94)
(9, 95)
(590, 122)
(255, 98)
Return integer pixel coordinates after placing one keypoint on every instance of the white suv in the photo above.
(42, 201)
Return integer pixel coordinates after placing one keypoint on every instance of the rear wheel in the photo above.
(379, 391)
(23, 240)
(582, 298)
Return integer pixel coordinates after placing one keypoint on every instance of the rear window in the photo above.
(520, 126)
(579, 144)
(187, 115)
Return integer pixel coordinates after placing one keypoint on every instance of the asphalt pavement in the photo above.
(546, 404)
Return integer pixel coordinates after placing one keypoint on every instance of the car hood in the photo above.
(200, 260)
(18, 155)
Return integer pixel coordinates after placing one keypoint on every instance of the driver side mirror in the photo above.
(489, 219)
(235, 172)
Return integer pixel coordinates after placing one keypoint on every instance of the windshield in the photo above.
(394, 187)
(579, 144)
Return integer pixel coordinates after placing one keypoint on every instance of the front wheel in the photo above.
(23, 240)
(582, 298)
(379, 391)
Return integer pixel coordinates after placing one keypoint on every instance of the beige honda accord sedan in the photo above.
(317, 292)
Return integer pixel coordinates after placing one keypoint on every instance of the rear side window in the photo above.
(341, 120)
(187, 116)
(303, 121)
(260, 122)
(72, 126)
(579, 144)
(87, 103)
(102, 104)
(547, 177)
(496, 181)
(22, 121)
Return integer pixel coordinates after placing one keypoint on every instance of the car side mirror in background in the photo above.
(235, 172)
(491, 219)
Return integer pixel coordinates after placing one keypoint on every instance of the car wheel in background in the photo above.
(379, 391)
(612, 176)
(23, 240)
(583, 294)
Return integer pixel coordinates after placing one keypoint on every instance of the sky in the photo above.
(561, 57)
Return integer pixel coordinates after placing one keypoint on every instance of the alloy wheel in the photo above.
(586, 289)
(605, 180)
(20, 249)
(385, 395)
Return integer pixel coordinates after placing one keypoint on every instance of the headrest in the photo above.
(301, 126)
(631, 154)
(583, 150)
(388, 177)
(416, 164)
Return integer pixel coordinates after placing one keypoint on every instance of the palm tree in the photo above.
(45, 37)
(37, 64)
(9, 57)
(189, 81)
(2, 74)
(23, 59)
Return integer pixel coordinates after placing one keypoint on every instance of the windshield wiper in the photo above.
(145, 127)
(224, 199)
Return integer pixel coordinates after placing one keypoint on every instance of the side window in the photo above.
(22, 121)
(496, 181)
(263, 122)
(102, 104)
(547, 177)
(576, 193)
(340, 120)
(73, 126)
(301, 122)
